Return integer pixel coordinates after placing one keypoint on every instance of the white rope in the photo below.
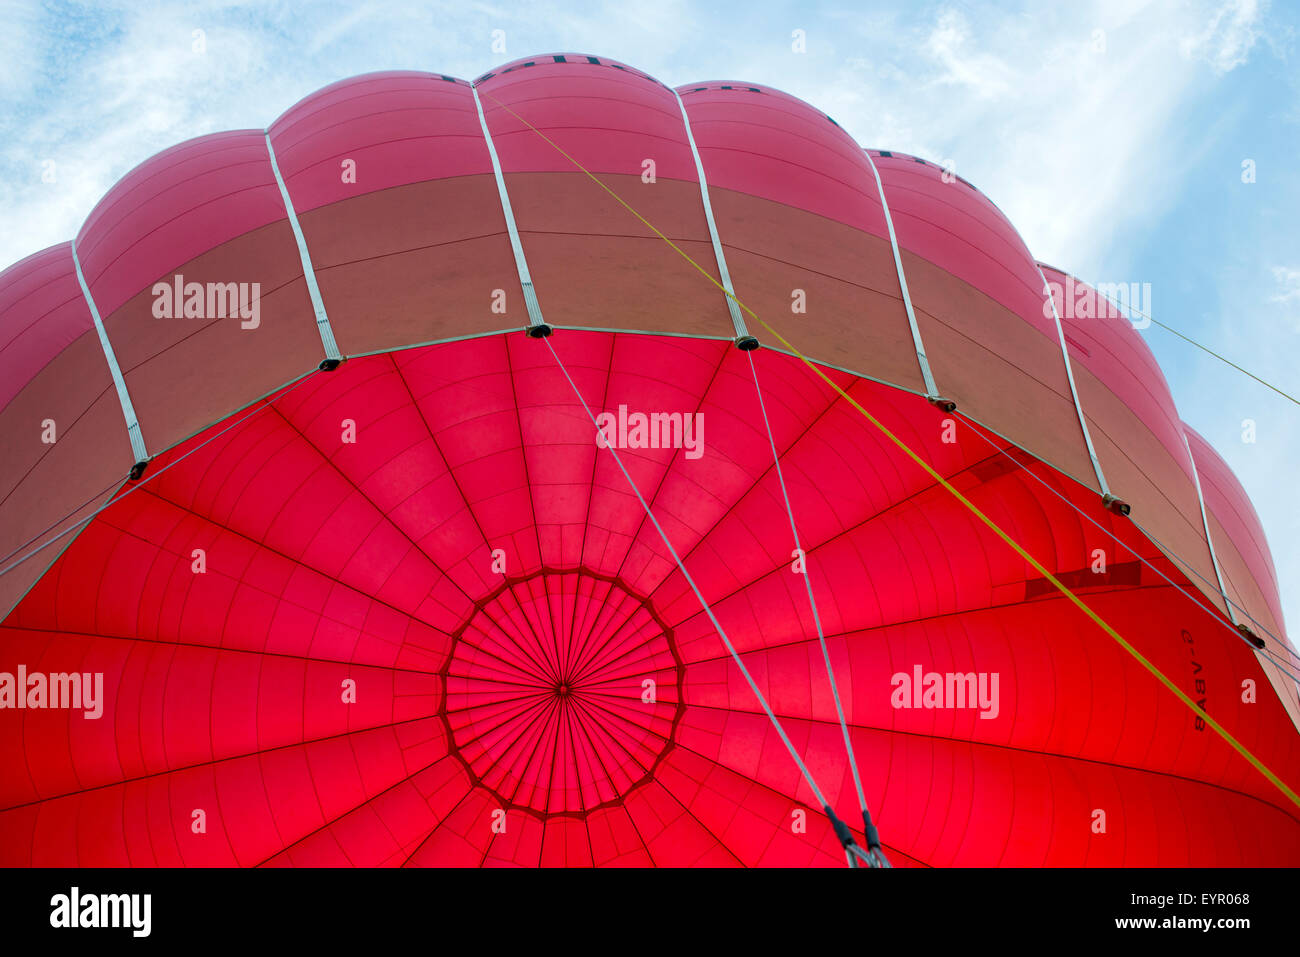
(817, 622)
(124, 397)
(737, 320)
(516, 245)
(1205, 523)
(931, 390)
(332, 354)
(803, 769)
(1074, 392)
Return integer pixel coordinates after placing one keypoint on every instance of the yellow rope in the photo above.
(997, 530)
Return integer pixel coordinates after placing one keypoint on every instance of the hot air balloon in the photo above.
(561, 468)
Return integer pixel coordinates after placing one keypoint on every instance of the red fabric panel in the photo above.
(209, 211)
(1134, 427)
(348, 525)
(590, 259)
(174, 207)
(1113, 350)
(953, 225)
(607, 118)
(179, 370)
(53, 375)
(1228, 502)
(797, 208)
(774, 146)
(373, 258)
(972, 341)
(398, 128)
(979, 306)
(43, 313)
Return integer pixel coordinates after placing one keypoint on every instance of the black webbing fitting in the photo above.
(873, 856)
(1249, 635)
(841, 829)
(1115, 504)
(869, 831)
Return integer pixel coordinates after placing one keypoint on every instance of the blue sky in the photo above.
(1111, 133)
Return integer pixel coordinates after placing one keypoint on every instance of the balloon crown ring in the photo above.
(562, 692)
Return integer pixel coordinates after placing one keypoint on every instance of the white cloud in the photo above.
(986, 75)
(1288, 281)
(1227, 39)
(1081, 147)
(18, 46)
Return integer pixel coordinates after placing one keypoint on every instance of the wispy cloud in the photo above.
(986, 75)
(1071, 118)
(1288, 281)
(19, 56)
(1227, 39)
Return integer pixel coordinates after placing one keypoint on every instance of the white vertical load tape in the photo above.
(128, 410)
(521, 263)
(332, 354)
(931, 390)
(737, 321)
(1209, 539)
(1074, 392)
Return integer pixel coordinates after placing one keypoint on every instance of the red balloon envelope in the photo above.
(478, 597)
